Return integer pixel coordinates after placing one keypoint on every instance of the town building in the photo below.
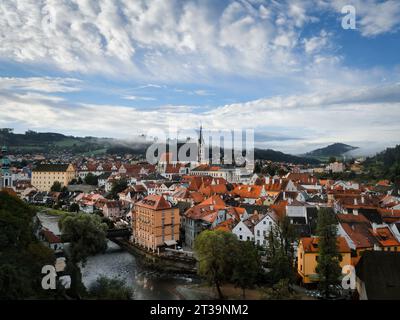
(307, 257)
(44, 175)
(155, 223)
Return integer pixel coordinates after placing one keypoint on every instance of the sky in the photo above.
(286, 69)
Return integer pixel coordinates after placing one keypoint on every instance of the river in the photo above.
(117, 263)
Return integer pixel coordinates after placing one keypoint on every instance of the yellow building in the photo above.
(307, 257)
(155, 223)
(44, 175)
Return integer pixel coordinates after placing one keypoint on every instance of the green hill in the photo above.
(277, 156)
(333, 150)
(385, 164)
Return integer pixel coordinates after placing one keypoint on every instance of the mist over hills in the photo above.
(332, 150)
(49, 142)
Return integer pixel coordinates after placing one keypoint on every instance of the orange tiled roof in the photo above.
(155, 202)
(310, 245)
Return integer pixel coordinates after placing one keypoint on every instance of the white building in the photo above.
(256, 228)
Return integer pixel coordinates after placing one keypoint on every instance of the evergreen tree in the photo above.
(280, 253)
(328, 267)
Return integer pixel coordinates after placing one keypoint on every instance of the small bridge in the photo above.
(111, 234)
(119, 233)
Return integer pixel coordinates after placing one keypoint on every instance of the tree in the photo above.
(87, 236)
(257, 167)
(328, 267)
(91, 179)
(246, 266)
(214, 252)
(280, 291)
(21, 255)
(86, 233)
(110, 289)
(332, 159)
(56, 187)
(280, 252)
(74, 207)
(118, 187)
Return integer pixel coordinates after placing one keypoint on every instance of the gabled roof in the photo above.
(357, 228)
(310, 245)
(154, 202)
(214, 200)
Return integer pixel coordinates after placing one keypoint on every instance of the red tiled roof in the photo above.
(50, 236)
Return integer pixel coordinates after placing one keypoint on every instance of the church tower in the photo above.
(201, 149)
(5, 176)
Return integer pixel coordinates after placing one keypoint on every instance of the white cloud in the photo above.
(373, 17)
(40, 84)
(153, 38)
(130, 97)
(307, 119)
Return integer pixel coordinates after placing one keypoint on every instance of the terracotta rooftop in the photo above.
(154, 202)
(310, 245)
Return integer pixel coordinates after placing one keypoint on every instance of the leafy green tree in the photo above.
(14, 284)
(247, 266)
(87, 236)
(86, 233)
(56, 187)
(214, 253)
(328, 266)
(118, 187)
(74, 207)
(110, 289)
(91, 179)
(332, 159)
(21, 255)
(280, 291)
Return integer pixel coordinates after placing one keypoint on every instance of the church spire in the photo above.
(200, 147)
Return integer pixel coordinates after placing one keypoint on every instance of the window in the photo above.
(241, 237)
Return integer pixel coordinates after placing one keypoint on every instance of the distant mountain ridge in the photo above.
(333, 150)
(277, 156)
(48, 142)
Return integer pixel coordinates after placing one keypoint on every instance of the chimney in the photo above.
(355, 201)
(362, 199)
(284, 195)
